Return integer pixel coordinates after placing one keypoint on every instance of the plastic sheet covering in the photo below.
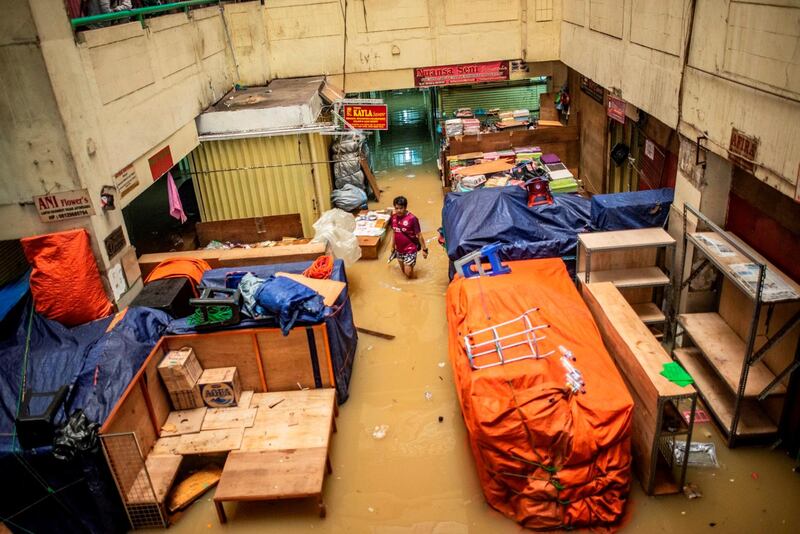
(637, 209)
(349, 197)
(289, 300)
(335, 227)
(545, 457)
(99, 366)
(65, 282)
(342, 335)
(485, 216)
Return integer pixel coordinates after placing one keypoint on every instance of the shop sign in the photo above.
(64, 206)
(160, 162)
(743, 149)
(489, 71)
(126, 180)
(367, 117)
(592, 88)
(114, 242)
(616, 109)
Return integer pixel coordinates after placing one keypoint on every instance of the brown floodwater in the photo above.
(420, 478)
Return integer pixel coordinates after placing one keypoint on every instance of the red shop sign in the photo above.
(616, 109)
(367, 117)
(160, 162)
(490, 71)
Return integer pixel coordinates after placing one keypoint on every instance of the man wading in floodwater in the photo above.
(407, 239)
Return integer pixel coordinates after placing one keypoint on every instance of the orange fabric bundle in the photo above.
(546, 457)
(321, 268)
(190, 268)
(65, 282)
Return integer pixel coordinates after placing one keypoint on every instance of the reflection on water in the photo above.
(402, 146)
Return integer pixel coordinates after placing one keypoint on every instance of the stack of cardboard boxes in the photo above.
(190, 386)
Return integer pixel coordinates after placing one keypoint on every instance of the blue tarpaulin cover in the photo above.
(12, 293)
(98, 365)
(342, 335)
(485, 216)
(637, 209)
(289, 300)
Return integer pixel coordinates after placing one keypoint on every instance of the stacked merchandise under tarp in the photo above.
(548, 455)
(512, 166)
(350, 187)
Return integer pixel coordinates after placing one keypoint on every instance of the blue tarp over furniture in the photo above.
(77, 495)
(488, 215)
(342, 334)
(626, 211)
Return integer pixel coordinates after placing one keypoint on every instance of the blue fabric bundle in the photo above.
(289, 300)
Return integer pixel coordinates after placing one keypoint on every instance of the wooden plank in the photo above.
(329, 289)
(250, 230)
(222, 418)
(373, 183)
(291, 420)
(162, 469)
(648, 312)
(725, 351)
(720, 400)
(168, 445)
(620, 258)
(239, 256)
(192, 487)
(209, 441)
(486, 168)
(132, 415)
(638, 354)
(643, 237)
(624, 278)
(287, 359)
(183, 422)
(370, 246)
(271, 475)
(271, 255)
(232, 348)
(735, 256)
(245, 398)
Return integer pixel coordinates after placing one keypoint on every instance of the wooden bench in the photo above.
(657, 422)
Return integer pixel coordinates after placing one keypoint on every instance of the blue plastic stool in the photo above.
(490, 252)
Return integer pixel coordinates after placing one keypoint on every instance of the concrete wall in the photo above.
(634, 46)
(743, 72)
(386, 39)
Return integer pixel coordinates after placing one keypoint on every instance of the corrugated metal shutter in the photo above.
(12, 261)
(262, 176)
(505, 97)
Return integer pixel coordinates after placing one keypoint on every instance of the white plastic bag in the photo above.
(335, 228)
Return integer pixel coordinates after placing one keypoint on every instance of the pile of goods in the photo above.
(190, 386)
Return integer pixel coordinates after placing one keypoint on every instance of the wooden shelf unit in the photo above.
(744, 350)
(631, 260)
(640, 358)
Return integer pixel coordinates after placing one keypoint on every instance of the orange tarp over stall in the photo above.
(546, 457)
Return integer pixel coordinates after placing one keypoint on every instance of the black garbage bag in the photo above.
(76, 436)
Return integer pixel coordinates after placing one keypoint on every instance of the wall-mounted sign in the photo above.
(114, 242)
(126, 180)
(63, 206)
(743, 149)
(616, 109)
(116, 279)
(649, 149)
(160, 162)
(367, 117)
(592, 88)
(489, 71)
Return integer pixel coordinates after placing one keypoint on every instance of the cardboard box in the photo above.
(180, 370)
(220, 387)
(187, 399)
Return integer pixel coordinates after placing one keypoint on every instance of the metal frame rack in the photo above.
(730, 374)
(630, 277)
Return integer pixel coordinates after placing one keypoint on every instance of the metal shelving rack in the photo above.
(627, 277)
(729, 373)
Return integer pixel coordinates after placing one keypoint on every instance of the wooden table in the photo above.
(284, 455)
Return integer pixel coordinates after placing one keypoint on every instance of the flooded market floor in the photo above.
(420, 478)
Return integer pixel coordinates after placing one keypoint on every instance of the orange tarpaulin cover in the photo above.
(190, 268)
(546, 457)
